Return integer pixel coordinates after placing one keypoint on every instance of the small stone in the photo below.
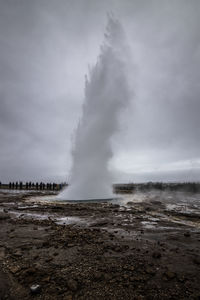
(48, 259)
(35, 289)
(15, 269)
(106, 276)
(18, 253)
(170, 275)
(98, 275)
(118, 249)
(4, 216)
(30, 271)
(46, 244)
(187, 234)
(46, 279)
(68, 297)
(196, 260)
(150, 271)
(181, 278)
(140, 297)
(156, 255)
(2, 253)
(72, 285)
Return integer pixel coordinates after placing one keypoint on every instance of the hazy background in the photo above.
(45, 49)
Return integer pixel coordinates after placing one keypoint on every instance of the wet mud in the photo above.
(143, 246)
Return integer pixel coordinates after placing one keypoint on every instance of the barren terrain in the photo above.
(143, 246)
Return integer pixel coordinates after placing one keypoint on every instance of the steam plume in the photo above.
(106, 93)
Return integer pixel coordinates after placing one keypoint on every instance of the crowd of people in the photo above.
(33, 186)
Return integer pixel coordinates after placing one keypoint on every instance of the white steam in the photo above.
(106, 93)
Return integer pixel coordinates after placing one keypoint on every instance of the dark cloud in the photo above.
(45, 49)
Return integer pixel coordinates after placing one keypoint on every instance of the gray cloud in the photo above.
(45, 49)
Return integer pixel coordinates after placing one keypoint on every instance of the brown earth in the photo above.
(104, 251)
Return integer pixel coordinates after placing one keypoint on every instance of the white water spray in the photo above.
(106, 93)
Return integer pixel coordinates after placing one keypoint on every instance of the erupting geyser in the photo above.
(106, 93)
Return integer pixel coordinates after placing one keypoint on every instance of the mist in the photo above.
(106, 93)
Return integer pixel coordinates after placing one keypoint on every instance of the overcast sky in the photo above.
(46, 47)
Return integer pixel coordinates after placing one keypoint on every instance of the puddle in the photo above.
(175, 220)
(8, 191)
(27, 207)
(183, 208)
(185, 222)
(29, 215)
(43, 199)
(148, 224)
(128, 234)
(8, 203)
(153, 219)
(70, 220)
(57, 220)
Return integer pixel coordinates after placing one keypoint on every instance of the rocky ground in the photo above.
(137, 250)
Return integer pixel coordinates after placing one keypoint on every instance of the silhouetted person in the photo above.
(10, 185)
(40, 185)
(50, 186)
(27, 185)
(36, 185)
(16, 185)
(20, 185)
(13, 185)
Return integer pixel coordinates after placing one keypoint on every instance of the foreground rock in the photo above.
(111, 255)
